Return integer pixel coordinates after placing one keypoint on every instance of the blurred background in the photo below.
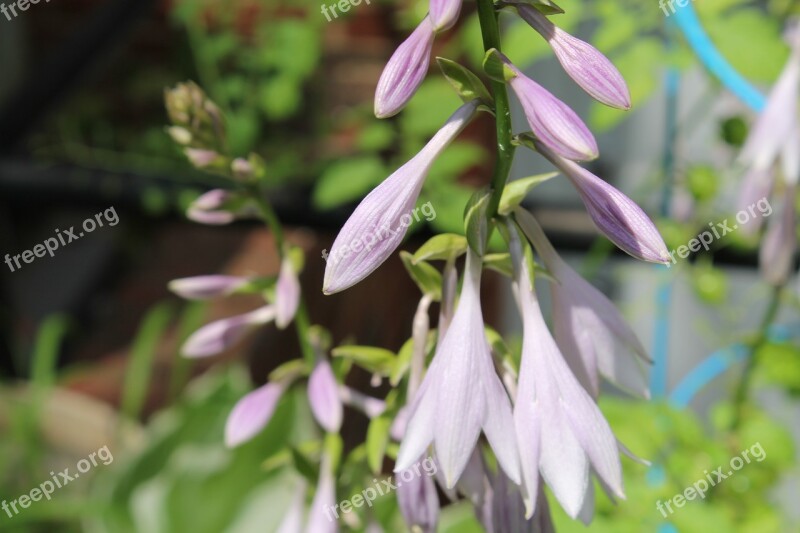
(89, 337)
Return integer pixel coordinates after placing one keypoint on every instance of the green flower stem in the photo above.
(761, 339)
(505, 148)
(301, 319)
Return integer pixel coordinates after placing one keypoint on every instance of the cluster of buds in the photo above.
(538, 413)
(774, 144)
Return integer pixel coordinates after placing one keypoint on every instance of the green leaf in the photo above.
(347, 180)
(378, 135)
(280, 97)
(289, 371)
(500, 262)
(516, 191)
(468, 86)
(476, 225)
(402, 362)
(370, 358)
(44, 364)
(377, 439)
(444, 246)
(427, 278)
(545, 6)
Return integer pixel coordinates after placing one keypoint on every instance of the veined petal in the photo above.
(323, 395)
(584, 63)
(251, 414)
(419, 503)
(498, 424)
(218, 336)
(613, 213)
(287, 294)
(405, 71)
(552, 121)
(377, 226)
(444, 13)
(206, 287)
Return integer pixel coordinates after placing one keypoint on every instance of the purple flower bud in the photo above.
(582, 62)
(614, 214)
(319, 515)
(405, 71)
(372, 407)
(218, 336)
(252, 413)
(208, 208)
(419, 503)
(293, 519)
(377, 226)
(201, 158)
(323, 395)
(287, 294)
(444, 13)
(776, 256)
(206, 287)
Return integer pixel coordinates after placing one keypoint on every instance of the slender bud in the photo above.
(323, 395)
(252, 413)
(218, 336)
(206, 287)
(444, 13)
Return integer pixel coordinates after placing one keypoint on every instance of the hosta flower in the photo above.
(287, 294)
(560, 431)
(776, 256)
(461, 395)
(209, 208)
(218, 336)
(206, 287)
(293, 519)
(444, 13)
(319, 515)
(551, 120)
(405, 71)
(252, 413)
(508, 509)
(614, 214)
(756, 185)
(589, 330)
(373, 232)
(582, 62)
(323, 395)
(201, 158)
(372, 407)
(419, 503)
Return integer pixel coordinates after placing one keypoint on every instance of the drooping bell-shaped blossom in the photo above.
(377, 226)
(589, 329)
(323, 395)
(252, 413)
(444, 13)
(776, 256)
(560, 431)
(405, 71)
(551, 120)
(461, 395)
(613, 213)
(419, 503)
(220, 335)
(775, 123)
(584, 63)
(508, 509)
(293, 519)
(320, 514)
(207, 287)
(208, 208)
(287, 294)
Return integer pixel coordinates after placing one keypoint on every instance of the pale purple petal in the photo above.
(206, 287)
(756, 187)
(405, 71)
(218, 336)
(790, 156)
(614, 214)
(200, 158)
(377, 226)
(368, 405)
(251, 414)
(207, 208)
(287, 294)
(582, 62)
(321, 517)
(323, 395)
(444, 13)
(498, 423)
(552, 121)
(776, 256)
(419, 503)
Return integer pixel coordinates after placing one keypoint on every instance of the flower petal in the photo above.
(218, 336)
(287, 294)
(206, 287)
(251, 414)
(323, 395)
(444, 13)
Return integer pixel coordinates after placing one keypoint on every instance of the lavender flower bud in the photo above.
(206, 287)
(444, 13)
(323, 395)
(287, 294)
(252, 413)
(218, 336)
